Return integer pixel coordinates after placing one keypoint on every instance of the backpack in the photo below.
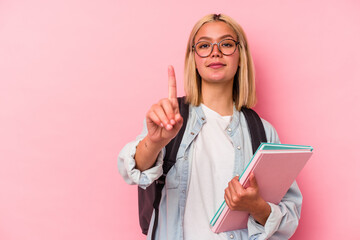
(149, 198)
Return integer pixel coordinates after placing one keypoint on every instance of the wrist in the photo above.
(261, 212)
(146, 154)
(153, 146)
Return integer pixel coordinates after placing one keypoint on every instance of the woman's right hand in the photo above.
(163, 120)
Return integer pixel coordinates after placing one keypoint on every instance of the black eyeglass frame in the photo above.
(212, 47)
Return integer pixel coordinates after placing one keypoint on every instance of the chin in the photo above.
(216, 78)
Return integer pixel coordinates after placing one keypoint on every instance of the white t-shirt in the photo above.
(210, 172)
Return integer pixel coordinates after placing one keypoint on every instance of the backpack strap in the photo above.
(173, 146)
(256, 127)
(169, 160)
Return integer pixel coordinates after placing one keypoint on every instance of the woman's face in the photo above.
(216, 68)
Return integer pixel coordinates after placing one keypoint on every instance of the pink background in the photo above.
(77, 77)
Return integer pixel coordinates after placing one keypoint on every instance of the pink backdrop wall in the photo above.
(76, 78)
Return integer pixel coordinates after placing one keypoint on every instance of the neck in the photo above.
(218, 97)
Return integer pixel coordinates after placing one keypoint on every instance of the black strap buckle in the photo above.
(161, 180)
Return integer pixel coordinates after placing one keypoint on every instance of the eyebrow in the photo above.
(222, 37)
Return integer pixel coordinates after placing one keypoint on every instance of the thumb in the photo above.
(253, 182)
(179, 121)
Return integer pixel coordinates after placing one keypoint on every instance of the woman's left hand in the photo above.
(247, 199)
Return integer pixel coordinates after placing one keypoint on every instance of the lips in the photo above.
(216, 65)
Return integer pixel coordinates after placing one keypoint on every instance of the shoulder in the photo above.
(270, 132)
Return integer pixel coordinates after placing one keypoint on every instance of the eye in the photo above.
(227, 43)
(203, 45)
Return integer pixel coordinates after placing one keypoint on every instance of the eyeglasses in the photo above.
(205, 48)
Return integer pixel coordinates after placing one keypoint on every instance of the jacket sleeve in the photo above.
(126, 164)
(284, 217)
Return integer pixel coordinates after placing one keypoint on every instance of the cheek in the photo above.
(236, 62)
(234, 66)
(237, 59)
(200, 65)
(197, 61)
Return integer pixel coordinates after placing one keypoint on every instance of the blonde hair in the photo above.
(244, 79)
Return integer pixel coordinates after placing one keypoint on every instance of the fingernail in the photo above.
(177, 117)
(168, 127)
(172, 121)
(161, 125)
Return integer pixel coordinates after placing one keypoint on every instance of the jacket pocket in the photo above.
(172, 178)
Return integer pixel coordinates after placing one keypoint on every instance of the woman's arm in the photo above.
(284, 217)
(163, 122)
(140, 161)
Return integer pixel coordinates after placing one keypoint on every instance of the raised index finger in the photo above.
(172, 84)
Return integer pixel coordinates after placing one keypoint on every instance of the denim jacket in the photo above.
(283, 219)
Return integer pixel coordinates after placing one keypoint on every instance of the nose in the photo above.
(216, 51)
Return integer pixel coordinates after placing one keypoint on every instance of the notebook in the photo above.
(275, 167)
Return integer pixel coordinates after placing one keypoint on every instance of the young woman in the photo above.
(216, 146)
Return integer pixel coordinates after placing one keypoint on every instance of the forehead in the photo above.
(214, 31)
